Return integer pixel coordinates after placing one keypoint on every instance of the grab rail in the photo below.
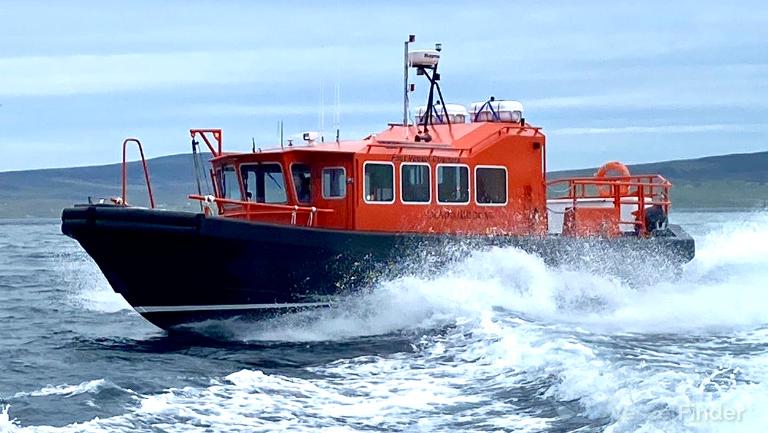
(648, 190)
(255, 209)
(146, 172)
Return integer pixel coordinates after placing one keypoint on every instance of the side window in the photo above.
(229, 183)
(302, 182)
(491, 185)
(452, 184)
(264, 183)
(334, 182)
(379, 182)
(415, 183)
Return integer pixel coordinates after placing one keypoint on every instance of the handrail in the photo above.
(502, 132)
(649, 190)
(408, 144)
(257, 204)
(649, 181)
(592, 178)
(272, 208)
(146, 172)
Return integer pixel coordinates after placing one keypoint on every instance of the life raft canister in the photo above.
(612, 169)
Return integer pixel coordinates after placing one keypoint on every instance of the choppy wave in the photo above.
(721, 289)
(504, 342)
(91, 386)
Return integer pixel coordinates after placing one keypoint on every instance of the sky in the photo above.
(633, 81)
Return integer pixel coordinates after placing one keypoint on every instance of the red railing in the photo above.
(639, 191)
(251, 210)
(146, 172)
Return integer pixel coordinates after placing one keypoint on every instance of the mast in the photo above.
(411, 39)
(322, 112)
(337, 103)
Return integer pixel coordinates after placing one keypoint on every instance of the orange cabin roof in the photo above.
(469, 137)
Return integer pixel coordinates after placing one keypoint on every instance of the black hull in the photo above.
(180, 267)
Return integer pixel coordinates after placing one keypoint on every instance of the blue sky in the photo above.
(635, 81)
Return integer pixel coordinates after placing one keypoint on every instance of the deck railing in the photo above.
(638, 191)
(254, 211)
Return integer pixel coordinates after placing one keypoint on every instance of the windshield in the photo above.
(264, 183)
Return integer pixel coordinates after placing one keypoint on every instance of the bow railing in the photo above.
(254, 211)
(124, 198)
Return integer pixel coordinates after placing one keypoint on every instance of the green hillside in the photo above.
(736, 181)
(727, 181)
(43, 193)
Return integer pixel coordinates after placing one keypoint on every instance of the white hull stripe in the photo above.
(184, 308)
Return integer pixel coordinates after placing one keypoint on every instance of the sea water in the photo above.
(496, 342)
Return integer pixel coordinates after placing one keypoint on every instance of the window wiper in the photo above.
(278, 184)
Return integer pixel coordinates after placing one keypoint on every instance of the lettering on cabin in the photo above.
(458, 214)
(432, 159)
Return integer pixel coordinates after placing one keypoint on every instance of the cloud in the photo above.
(247, 110)
(662, 129)
(613, 72)
(89, 74)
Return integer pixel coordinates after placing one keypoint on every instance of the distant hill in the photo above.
(44, 193)
(736, 181)
(727, 181)
(746, 167)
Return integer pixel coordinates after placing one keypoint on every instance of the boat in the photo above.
(303, 224)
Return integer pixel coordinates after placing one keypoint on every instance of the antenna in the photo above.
(280, 128)
(337, 87)
(337, 103)
(322, 111)
(411, 39)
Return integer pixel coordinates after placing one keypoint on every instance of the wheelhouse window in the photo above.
(452, 184)
(491, 185)
(334, 182)
(379, 182)
(264, 183)
(302, 182)
(228, 183)
(415, 183)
